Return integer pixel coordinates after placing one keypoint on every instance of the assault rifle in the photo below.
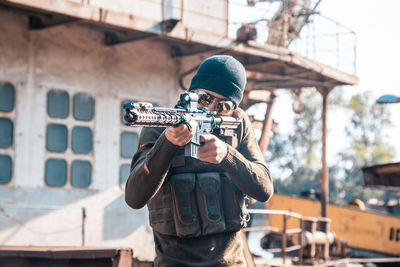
(146, 115)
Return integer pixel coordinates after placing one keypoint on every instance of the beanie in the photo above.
(221, 74)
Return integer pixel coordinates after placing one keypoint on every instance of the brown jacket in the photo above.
(150, 168)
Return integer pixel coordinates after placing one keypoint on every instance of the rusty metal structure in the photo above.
(385, 175)
(312, 238)
(353, 238)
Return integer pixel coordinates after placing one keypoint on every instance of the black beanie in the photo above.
(221, 74)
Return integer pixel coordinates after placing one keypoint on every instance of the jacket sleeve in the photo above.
(149, 167)
(246, 165)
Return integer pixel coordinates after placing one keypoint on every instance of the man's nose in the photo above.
(212, 106)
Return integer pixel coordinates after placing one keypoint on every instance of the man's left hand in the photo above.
(214, 150)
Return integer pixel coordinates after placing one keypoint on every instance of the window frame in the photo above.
(3, 84)
(121, 151)
(48, 102)
(12, 125)
(73, 106)
(10, 115)
(69, 155)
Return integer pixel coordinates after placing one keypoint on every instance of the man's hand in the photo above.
(214, 149)
(181, 135)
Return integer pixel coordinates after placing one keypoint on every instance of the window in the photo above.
(69, 139)
(82, 139)
(6, 132)
(58, 104)
(129, 142)
(7, 115)
(124, 171)
(57, 137)
(6, 96)
(56, 172)
(81, 173)
(83, 107)
(5, 169)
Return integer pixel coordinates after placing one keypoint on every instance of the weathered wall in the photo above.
(71, 57)
(208, 16)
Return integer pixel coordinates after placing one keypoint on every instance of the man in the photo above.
(197, 206)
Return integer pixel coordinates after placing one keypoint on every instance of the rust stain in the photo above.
(132, 20)
(75, 4)
(103, 15)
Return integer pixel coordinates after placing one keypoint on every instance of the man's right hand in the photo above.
(181, 135)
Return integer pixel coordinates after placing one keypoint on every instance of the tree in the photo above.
(298, 154)
(366, 145)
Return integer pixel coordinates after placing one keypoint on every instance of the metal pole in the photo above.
(83, 225)
(301, 241)
(284, 238)
(325, 170)
(267, 126)
(285, 24)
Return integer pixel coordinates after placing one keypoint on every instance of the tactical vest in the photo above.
(197, 199)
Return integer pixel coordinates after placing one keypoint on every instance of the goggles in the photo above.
(223, 107)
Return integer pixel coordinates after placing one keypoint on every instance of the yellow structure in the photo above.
(361, 229)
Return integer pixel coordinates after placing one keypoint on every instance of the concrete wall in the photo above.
(209, 16)
(71, 57)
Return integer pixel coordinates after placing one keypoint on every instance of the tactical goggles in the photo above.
(223, 107)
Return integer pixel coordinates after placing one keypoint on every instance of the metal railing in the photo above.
(313, 236)
(284, 232)
(321, 38)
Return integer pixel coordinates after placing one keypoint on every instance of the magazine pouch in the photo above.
(184, 205)
(161, 210)
(234, 204)
(208, 192)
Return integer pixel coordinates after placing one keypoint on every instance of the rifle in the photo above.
(146, 115)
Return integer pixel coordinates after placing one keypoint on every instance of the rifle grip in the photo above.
(192, 150)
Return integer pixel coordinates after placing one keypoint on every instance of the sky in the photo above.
(377, 26)
(377, 37)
